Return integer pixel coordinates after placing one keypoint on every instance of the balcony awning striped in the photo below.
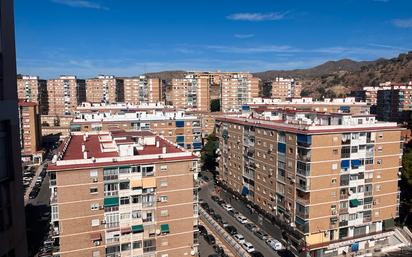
(164, 228)
(137, 228)
(112, 201)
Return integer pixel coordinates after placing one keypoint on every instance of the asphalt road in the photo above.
(259, 245)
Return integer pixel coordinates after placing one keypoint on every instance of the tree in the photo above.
(215, 105)
(407, 167)
(209, 154)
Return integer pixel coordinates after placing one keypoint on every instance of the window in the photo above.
(124, 185)
(137, 244)
(94, 206)
(125, 216)
(378, 187)
(334, 166)
(163, 198)
(126, 247)
(93, 190)
(95, 222)
(136, 214)
(164, 213)
(380, 148)
(147, 171)
(163, 182)
(136, 198)
(93, 174)
(335, 151)
(163, 168)
(124, 200)
(96, 254)
(333, 194)
(333, 181)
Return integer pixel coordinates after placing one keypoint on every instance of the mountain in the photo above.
(166, 75)
(344, 65)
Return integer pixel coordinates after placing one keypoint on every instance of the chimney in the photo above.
(84, 155)
(164, 149)
(84, 137)
(157, 144)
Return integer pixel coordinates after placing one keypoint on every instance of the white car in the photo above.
(274, 244)
(239, 238)
(248, 247)
(227, 207)
(242, 219)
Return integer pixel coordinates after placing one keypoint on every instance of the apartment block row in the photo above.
(285, 88)
(123, 194)
(176, 126)
(333, 178)
(336, 105)
(59, 97)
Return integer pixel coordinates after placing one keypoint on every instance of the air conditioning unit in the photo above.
(95, 180)
(374, 202)
(334, 212)
(103, 222)
(96, 243)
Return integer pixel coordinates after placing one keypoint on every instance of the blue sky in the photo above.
(129, 37)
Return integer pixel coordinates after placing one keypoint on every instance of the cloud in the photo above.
(253, 50)
(271, 16)
(243, 36)
(402, 23)
(81, 4)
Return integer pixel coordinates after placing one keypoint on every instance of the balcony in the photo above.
(305, 157)
(367, 219)
(343, 223)
(343, 211)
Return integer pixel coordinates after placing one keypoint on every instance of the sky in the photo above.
(131, 37)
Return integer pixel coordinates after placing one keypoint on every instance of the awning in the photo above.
(356, 163)
(164, 228)
(354, 203)
(136, 183)
(96, 237)
(149, 182)
(344, 164)
(245, 190)
(125, 230)
(137, 228)
(110, 202)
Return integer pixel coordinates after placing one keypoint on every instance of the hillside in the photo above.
(166, 75)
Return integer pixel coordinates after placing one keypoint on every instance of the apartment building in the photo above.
(336, 105)
(55, 127)
(65, 94)
(394, 104)
(105, 89)
(283, 88)
(176, 126)
(123, 107)
(142, 90)
(30, 131)
(12, 217)
(236, 90)
(191, 92)
(332, 177)
(33, 89)
(123, 194)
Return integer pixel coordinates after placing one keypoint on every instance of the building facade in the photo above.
(394, 104)
(332, 178)
(124, 194)
(191, 92)
(65, 94)
(142, 90)
(105, 89)
(176, 126)
(12, 216)
(33, 89)
(30, 131)
(237, 89)
(283, 88)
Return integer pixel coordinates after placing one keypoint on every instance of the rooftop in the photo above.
(87, 107)
(105, 148)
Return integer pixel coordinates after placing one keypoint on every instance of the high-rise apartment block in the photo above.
(283, 88)
(12, 217)
(142, 90)
(237, 89)
(176, 126)
(124, 194)
(30, 133)
(191, 92)
(332, 177)
(394, 104)
(34, 89)
(104, 89)
(65, 94)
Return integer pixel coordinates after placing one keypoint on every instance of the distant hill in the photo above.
(166, 75)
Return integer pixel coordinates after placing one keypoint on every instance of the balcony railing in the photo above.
(343, 223)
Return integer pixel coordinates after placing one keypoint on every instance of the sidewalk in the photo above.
(33, 182)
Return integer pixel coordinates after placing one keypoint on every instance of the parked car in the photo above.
(210, 239)
(242, 219)
(223, 223)
(211, 212)
(231, 230)
(252, 227)
(215, 198)
(248, 247)
(227, 207)
(256, 254)
(239, 238)
(233, 212)
(274, 244)
(202, 230)
(261, 234)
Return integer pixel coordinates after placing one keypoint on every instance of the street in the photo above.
(260, 245)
